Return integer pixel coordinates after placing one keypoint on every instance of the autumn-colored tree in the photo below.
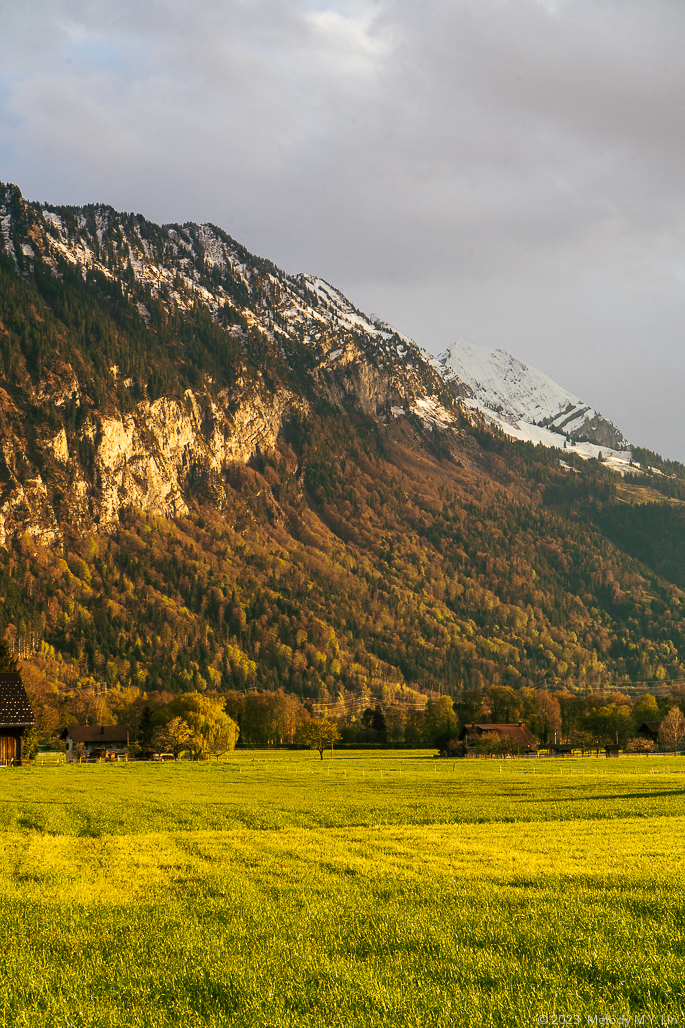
(44, 698)
(125, 703)
(319, 733)
(207, 720)
(86, 704)
(174, 737)
(505, 705)
(542, 714)
(396, 719)
(640, 745)
(610, 722)
(439, 719)
(672, 730)
(223, 738)
(583, 740)
(287, 713)
(645, 708)
(471, 707)
(495, 744)
(269, 717)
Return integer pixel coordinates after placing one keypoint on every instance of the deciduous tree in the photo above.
(672, 731)
(318, 733)
(645, 708)
(640, 745)
(209, 724)
(439, 719)
(174, 737)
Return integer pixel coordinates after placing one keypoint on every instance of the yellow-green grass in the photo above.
(294, 789)
(273, 890)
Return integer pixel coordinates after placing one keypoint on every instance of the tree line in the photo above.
(211, 722)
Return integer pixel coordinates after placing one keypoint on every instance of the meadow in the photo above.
(388, 888)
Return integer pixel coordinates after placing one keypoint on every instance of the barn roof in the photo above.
(651, 726)
(15, 708)
(97, 733)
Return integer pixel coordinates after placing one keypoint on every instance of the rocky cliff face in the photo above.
(86, 436)
(149, 459)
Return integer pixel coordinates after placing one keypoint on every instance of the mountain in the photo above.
(199, 314)
(215, 475)
(518, 397)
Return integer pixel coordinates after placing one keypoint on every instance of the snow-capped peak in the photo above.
(499, 384)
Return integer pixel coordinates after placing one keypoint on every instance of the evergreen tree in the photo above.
(378, 723)
(8, 662)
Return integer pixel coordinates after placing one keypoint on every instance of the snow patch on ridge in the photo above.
(617, 460)
(501, 386)
(5, 223)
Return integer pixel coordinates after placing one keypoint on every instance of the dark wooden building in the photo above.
(649, 730)
(15, 717)
(518, 733)
(561, 749)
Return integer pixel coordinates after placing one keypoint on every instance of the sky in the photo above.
(504, 171)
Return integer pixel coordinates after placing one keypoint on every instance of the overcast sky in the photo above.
(505, 171)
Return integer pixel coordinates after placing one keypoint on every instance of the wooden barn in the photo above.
(649, 730)
(518, 733)
(15, 717)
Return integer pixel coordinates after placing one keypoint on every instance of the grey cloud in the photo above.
(506, 170)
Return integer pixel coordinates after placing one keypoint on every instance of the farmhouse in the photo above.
(15, 717)
(97, 740)
(518, 733)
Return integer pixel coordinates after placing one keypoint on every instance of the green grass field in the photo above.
(373, 889)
